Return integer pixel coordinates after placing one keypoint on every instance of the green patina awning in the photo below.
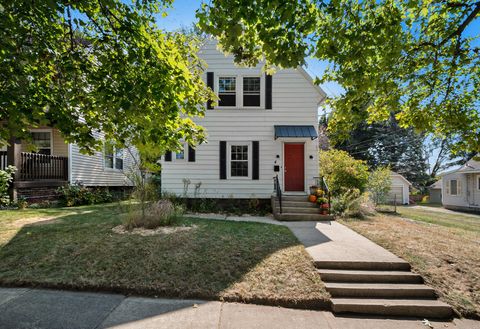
(295, 132)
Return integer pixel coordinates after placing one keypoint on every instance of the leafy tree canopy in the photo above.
(98, 66)
(416, 58)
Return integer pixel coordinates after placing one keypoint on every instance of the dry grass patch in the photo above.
(447, 257)
(236, 261)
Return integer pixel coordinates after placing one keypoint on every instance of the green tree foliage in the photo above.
(88, 66)
(6, 177)
(379, 184)
(417, 59)
(342, 172)
(388, 144)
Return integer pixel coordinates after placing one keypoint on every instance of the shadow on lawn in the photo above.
(79, 251)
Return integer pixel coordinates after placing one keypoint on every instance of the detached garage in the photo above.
(400, 190)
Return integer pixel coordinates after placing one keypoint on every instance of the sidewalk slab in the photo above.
(7, 294)
(55, 309)
(332, 241)
(149, 313)
(240, 316)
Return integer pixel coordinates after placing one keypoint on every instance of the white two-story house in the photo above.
(263, 126)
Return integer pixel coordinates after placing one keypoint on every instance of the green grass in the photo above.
(465, 222)
(443, 248)
(75, 248)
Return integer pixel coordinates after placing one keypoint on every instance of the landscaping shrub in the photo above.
(352, 203)
(342, 172)
(78, 195)
(6, 177)
(379, 184)
(158, 213)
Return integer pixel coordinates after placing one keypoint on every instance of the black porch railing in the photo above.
(278, 191)
(36, 166)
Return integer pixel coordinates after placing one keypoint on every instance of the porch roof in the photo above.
(290, 131)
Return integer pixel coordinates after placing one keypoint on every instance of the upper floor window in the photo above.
(251, 91)
(42, 141)
(113, 156)
(227, 91)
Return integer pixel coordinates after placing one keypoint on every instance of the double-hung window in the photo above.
(113, 156)
(42, 141)
(251, 91)
(180, 155)
(239, 157)
(453, 187)
(227, 91)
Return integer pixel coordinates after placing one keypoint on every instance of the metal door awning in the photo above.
(295, 132)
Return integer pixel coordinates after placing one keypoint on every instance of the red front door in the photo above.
(294, 167)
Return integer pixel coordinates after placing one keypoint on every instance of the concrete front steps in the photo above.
(380, 288)
(297, 208)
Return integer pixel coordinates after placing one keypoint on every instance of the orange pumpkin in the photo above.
(312, 198)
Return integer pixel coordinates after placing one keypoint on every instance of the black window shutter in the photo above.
(210, 84)
(191, 154)
(223, 160)
(168, 156)
(268, 92)
(255, 160)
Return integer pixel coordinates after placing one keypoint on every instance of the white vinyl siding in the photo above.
(294, 102)
(90, 170)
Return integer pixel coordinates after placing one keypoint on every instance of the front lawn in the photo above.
(443, 248)
(75, 248)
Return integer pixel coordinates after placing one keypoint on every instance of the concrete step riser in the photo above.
(294, 198)
(303, 217)
(297, 210)
(364, 266)
(413, 310)
(371, 278)
(382, 293)
(303, 204)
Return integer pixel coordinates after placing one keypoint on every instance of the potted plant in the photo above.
(324, 208)
(313, 189)
(319, 192)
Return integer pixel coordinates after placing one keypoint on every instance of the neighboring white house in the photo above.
(56, 163)
(400, 189)
(461, 187)
(263, 126)
(435, 192)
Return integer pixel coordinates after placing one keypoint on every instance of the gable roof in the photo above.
(393, 173)
(436, 185)
(472, 166)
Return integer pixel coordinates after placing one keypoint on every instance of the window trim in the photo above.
(45, 130)
(229, 160)
(185, 155)
(261, 94)
(239, 90)
(449, 182)
(113, 168)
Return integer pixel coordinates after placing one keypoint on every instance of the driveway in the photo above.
(52, 309)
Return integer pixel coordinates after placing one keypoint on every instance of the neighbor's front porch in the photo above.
(41, 163)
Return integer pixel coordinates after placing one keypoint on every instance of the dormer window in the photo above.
(227, 91)
(251, 91)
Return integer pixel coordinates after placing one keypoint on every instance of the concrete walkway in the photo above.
(332, 241)
(53, 309)
(445, 211)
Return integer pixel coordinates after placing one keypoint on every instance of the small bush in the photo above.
(159, 213)
(379, 184)
(352, 204)
(78, 195)
(342, 172)
(6, 177)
